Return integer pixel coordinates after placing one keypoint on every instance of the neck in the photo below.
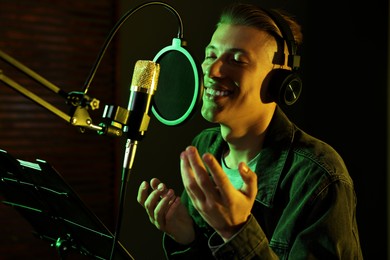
(243, 146)
(245, 138)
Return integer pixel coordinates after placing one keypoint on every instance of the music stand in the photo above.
(56, 213)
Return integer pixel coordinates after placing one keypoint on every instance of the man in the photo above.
(256, 186)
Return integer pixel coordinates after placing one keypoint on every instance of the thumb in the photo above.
(250, 180)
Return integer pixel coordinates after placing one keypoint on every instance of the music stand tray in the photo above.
(56, 213)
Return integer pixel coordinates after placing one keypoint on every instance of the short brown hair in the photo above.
(255, 16)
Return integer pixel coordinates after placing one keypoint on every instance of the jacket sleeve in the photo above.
(249, 243)
(331, 229)
(194, 251)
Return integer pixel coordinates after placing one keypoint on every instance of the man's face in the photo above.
(236, 61)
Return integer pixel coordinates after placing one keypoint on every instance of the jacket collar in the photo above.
(277, 144)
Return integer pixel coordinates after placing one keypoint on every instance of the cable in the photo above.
(117, 27)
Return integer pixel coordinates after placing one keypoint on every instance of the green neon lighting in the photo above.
(176, 45)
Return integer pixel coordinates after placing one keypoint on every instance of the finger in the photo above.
(201, 173)
(154, 183)
(219, 177)
(189, 179)
(152, 201)
(250, 180)
(157, 184)
(196, 162)
(142, 193)
(162, 207)
(163, 189)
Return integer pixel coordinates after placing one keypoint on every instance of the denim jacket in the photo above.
(305, 206)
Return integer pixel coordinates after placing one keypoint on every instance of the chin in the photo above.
(208, 115)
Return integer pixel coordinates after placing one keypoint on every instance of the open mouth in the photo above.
(213, 93)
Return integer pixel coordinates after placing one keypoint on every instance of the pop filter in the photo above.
(179, 88)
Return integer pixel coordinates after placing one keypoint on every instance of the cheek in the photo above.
(252, 83)
(204, 66)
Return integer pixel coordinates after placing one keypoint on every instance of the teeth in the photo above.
(216, 93)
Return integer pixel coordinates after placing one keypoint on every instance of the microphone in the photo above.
(143, 86)
(142, 89)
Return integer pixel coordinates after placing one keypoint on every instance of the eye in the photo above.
(239, 58)
(210, 55)
(237, 61)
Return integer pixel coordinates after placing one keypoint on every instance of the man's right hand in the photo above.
(166, 211)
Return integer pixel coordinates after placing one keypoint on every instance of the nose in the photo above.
(213, 68)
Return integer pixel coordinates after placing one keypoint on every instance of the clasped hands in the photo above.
(223, 207)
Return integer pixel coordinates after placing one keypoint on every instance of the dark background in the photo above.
(344, 102)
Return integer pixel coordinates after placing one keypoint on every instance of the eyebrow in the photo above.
(231, 50)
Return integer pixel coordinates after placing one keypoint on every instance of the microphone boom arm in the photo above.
(11, 83)
(80, 117)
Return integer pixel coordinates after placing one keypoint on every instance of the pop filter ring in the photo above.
(197, 90)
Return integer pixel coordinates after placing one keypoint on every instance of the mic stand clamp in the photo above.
(82, 119)
(76, 98)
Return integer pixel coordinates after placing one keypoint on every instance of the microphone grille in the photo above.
(145, 76)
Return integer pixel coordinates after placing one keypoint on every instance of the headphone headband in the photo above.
(285, 86)
(293, 60)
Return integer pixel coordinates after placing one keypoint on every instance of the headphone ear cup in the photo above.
(284, 86)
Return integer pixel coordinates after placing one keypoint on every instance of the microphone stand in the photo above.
(131, 148)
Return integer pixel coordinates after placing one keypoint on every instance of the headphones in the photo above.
(284, 86)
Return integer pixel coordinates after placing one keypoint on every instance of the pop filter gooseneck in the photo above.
(117, 26)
